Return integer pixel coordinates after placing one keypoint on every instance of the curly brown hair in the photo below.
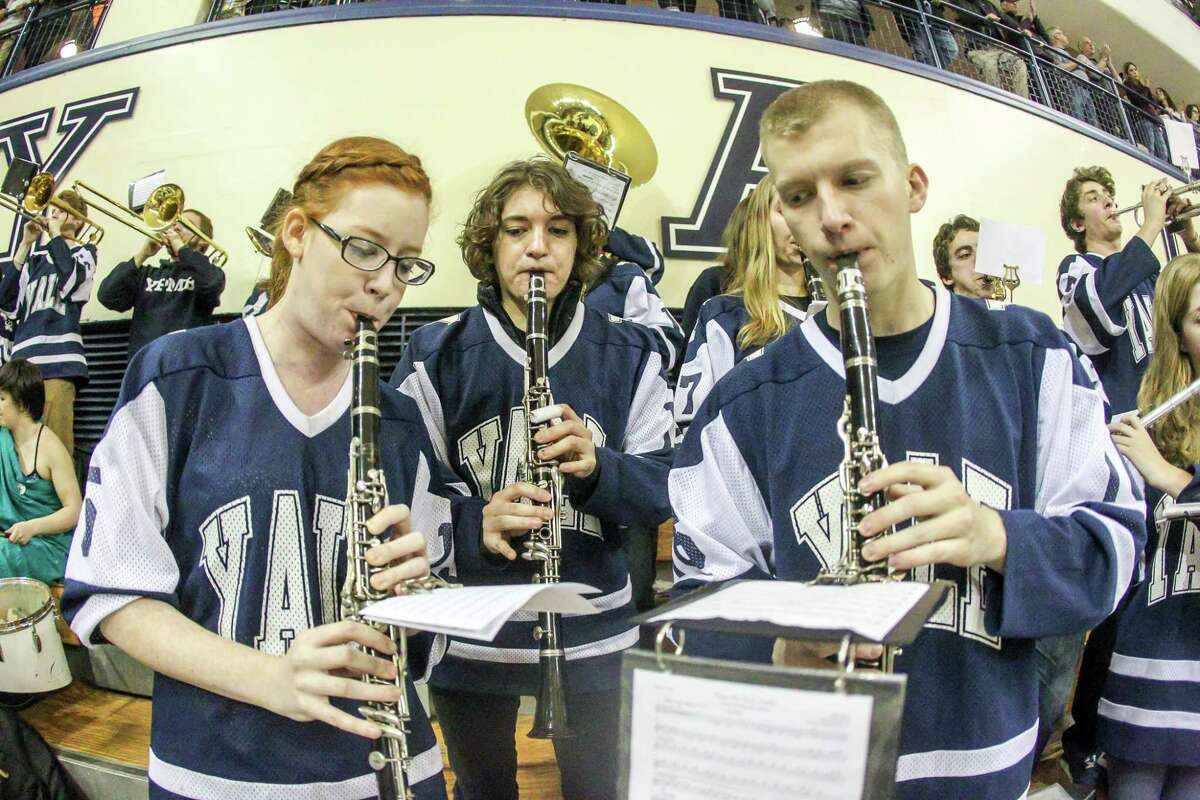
(573, 199)
(1068, 207)
(941, 244)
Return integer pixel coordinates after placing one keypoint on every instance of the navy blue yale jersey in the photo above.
(713, 350)
(1106, 311)
(994, 395)
(47, 299)
(213, 492)
(627, 290)
(467, 374)
(1150, 709)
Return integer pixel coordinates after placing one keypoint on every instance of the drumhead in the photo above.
(23, 602)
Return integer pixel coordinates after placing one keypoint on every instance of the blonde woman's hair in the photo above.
(750, 253)
(1177, 435)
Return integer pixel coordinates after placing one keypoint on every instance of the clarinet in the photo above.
(545, 544)
(366, 494)
(812, 279)
(858, 429)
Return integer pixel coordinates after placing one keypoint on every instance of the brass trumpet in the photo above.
(1185, 189)
(37, 197)
(163, 208)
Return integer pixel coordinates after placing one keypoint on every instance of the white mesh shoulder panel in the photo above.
(1077, 459)
(118, 543)
(720, 509)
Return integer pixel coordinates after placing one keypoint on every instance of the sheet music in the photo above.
(1007, 243)
(871, 610)
(478, 612)
(606, 188)
(725, 740)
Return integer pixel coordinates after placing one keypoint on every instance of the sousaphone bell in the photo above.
(568, 118)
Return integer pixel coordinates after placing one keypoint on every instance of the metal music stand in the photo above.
(886, 691)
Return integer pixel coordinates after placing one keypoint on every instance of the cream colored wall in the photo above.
(452, 89)
(128, 19)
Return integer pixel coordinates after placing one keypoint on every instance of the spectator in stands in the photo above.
(1030, 25)
(1072, 89)
(177, 293)
(996, 64)
(1102, 63)
(39, 495)
(13, 14)
(1145, 124)
(844, 20)
(751, 10)
(1164, 100)
(914, 34)
(1192, 112)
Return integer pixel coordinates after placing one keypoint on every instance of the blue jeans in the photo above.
(1150, 133)
(1083, 106)
(943, 40)
(1057, 657)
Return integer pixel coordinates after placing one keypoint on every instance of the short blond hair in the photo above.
(795, 111)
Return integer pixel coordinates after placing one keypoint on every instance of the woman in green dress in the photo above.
(39, 494)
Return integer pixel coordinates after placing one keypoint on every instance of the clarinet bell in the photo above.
(550, 718)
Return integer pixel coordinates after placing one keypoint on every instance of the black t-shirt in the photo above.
(895, 353)
(173, 296)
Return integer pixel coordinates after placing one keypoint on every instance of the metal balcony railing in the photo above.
(48, 30)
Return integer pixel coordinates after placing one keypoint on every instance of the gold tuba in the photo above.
(567, 118)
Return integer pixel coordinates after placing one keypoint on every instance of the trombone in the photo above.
(164, 207)
(37, 197)
(1186, 188)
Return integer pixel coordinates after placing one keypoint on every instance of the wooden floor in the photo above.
(84, 720)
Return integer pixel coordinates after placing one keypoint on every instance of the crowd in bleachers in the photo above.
(1002, 42)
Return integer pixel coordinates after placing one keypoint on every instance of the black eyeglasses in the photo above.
(365, 255)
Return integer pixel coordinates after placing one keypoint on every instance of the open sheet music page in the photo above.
(726, 740)
(478, 612)
(870, 610)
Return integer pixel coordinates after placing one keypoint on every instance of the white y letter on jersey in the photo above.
(225, 534)
(285, 610)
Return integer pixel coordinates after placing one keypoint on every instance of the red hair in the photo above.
(337, 168)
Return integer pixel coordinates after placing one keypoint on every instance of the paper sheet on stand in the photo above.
(701, 739)
(871, 610)
(478, 612)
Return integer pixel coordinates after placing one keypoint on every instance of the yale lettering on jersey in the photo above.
(43, 294)
(286, 606)
(1184, 576)
(818, 520)
(493, 461)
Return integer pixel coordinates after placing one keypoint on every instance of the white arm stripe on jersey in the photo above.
(646, 308)
(1075, 461)
(720, 511)
(420, 388)
(651, 425)
(714, 358)
(118, 547)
